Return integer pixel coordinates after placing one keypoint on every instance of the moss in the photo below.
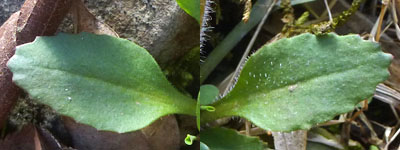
(29, 111)
(8, 7)
(324, 27)
(160, 26)
(184, 73)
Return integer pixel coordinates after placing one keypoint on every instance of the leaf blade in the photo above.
(207, 95)
(228, 139)
(294, 83)
(109, 83)
(191, 7)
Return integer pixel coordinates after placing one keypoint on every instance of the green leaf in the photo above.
(191, 7)
(373, 147)
(294, 2)
(207, 95)
(228, 139)
(297, 82)
(107, 82)
(203, 146)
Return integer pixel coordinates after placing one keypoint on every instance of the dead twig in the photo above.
(36, 18)
(388, 95)
(380, 19)
(328, 10)
(364, 108)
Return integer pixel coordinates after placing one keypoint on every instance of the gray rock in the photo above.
(160, 26)
(7, 7)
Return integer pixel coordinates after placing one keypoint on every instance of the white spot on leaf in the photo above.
(292, 88)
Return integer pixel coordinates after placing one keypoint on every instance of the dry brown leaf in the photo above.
(47, 140)
(84, 21)
(157, 132)
(247, 11)
(394, 68)
(36, 18)
(9, 91)
(40, 17)
(85, 137)
(163, 134)
(25, 139)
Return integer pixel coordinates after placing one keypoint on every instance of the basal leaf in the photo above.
(228, 139)
(297, 82)
(207, 95)
(203, 146)
(192, 7)
(107, 82)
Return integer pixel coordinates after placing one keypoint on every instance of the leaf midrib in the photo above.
(299, 82)
(143, 94)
